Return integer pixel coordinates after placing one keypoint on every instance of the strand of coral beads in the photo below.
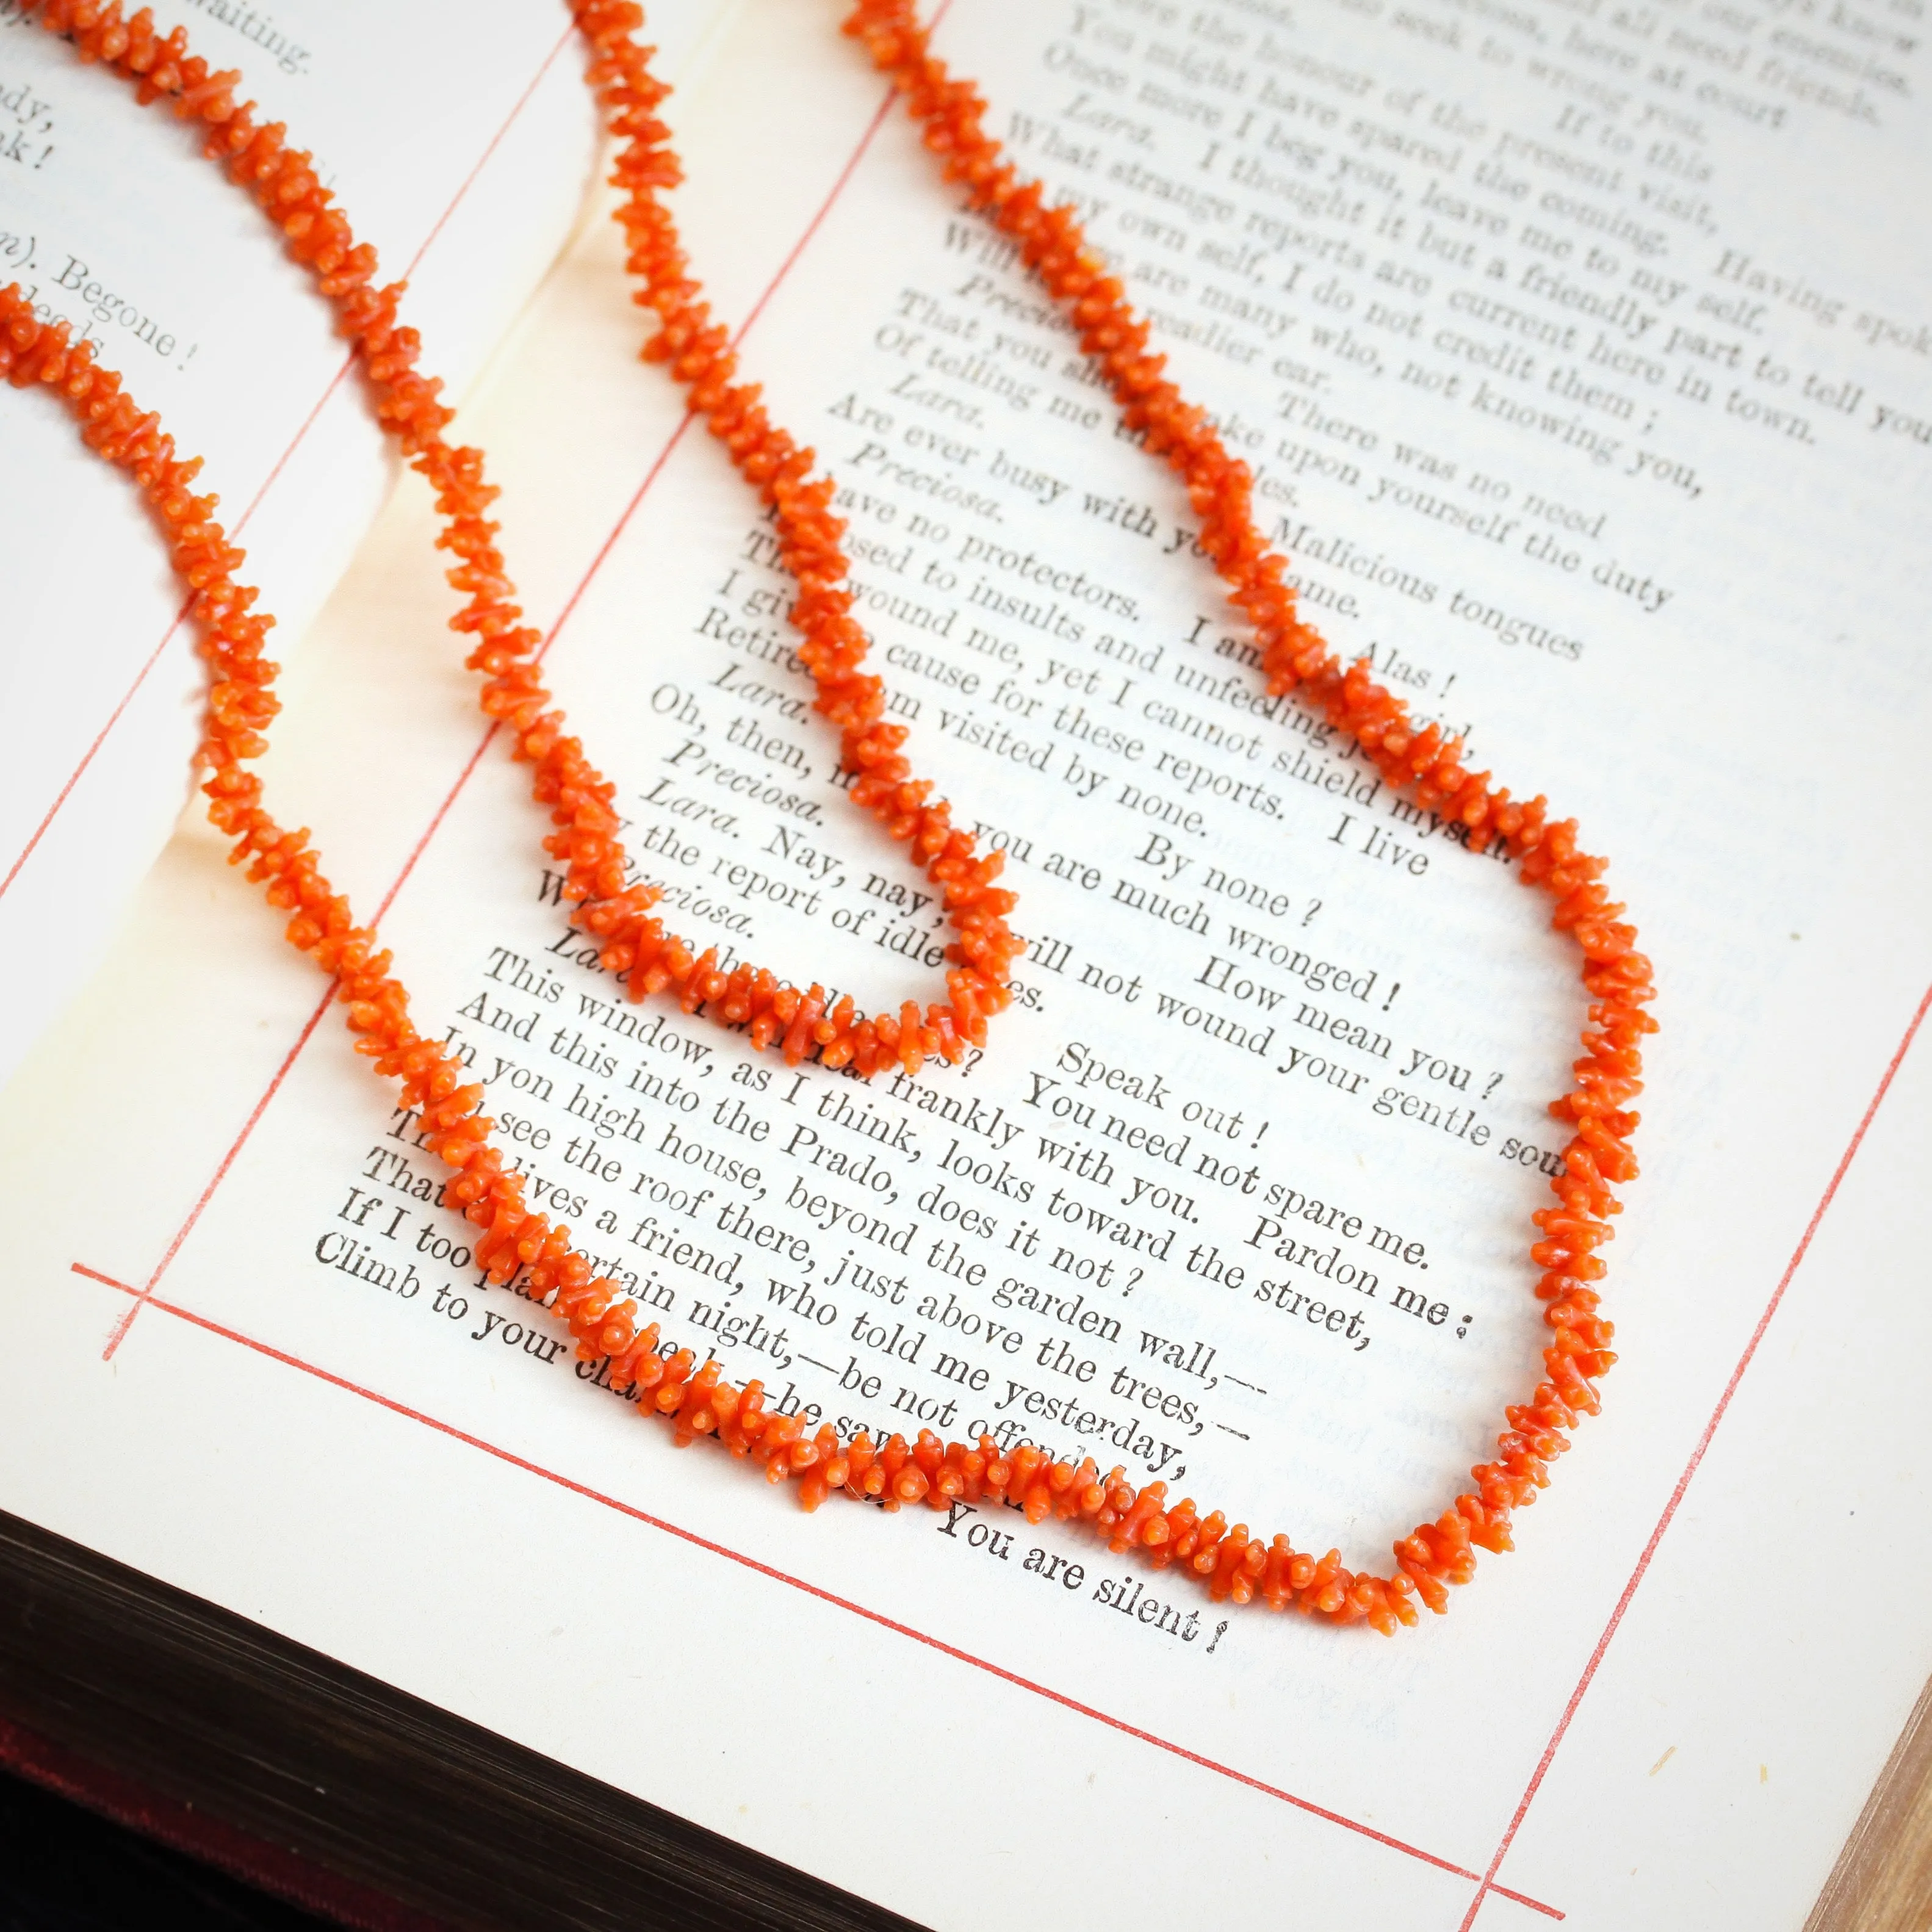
(698, 1402)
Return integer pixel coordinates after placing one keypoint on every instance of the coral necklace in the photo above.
(514, 1244)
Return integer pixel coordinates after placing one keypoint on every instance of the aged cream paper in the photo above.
(1609, 462)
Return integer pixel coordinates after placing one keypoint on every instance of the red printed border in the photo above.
(1683, 1483)
(1486, 1883)
(724, 1550)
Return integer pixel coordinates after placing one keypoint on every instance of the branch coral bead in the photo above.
(514, 1244)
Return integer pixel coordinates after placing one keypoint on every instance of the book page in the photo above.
(463, 158)
(1581, 355)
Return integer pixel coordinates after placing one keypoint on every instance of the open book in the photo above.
(1583, 355)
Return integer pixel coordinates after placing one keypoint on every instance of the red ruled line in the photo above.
(777, 1575)
(267, 483)
(143, 1295)
(1670, 1508)
(496, 141)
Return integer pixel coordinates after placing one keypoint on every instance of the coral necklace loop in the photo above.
(515, 1243)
